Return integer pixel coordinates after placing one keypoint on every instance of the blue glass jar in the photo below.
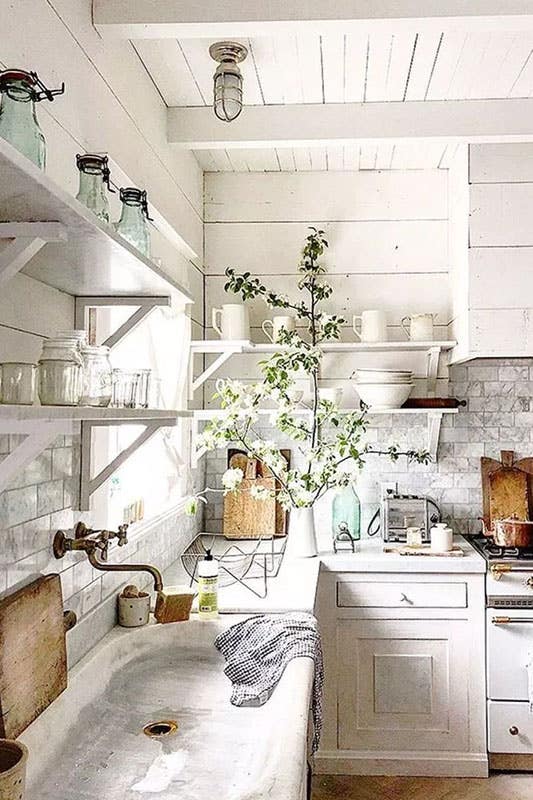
(346, 519)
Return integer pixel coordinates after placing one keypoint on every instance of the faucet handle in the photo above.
(122, 534)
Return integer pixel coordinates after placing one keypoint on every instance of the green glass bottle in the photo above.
(20, 90)
(132, 224)
(94, 183)
(346, 518)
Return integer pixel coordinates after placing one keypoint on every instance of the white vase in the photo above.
(302, 534)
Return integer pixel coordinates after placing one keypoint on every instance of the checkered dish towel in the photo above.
(257, 651)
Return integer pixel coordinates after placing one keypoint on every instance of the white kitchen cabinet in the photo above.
(405, 674)
(491, 199)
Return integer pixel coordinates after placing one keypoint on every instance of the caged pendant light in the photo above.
(227, 80)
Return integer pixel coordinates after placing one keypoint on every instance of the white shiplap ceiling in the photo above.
(337, 68)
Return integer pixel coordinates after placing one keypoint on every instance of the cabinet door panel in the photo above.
(401, 685)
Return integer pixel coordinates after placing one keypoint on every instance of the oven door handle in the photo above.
(511, 620)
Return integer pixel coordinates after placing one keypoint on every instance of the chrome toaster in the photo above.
(402, 511)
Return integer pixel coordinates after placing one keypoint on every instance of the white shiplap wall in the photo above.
(388, 236)
(110, 105)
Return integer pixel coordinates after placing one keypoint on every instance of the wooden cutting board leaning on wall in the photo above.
(33, 656)
(506, 487)
(245, 517)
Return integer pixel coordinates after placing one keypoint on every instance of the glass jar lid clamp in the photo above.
(131, 196)
(34, 87)
(95, 164)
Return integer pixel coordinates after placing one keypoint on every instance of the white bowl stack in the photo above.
(383, 389)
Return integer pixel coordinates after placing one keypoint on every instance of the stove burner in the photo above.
(490, 550)
(496, 551)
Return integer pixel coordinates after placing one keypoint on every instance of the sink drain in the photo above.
(164, 727)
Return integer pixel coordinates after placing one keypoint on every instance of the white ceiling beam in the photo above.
(315, 124)
(183, 19)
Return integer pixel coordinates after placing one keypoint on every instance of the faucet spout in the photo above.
(153, 571)
(93, 545)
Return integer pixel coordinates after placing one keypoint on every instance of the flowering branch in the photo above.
(330, 440)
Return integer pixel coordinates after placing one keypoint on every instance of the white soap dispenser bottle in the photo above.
(208, 587)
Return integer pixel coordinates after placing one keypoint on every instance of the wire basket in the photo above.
(244, 562)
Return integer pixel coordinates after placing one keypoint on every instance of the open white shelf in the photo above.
(58, 241)
(225, 349)
(111, 416)
(433, 416)
(40, 425)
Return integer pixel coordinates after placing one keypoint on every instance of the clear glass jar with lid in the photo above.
(94, 183)
(20, 90)
(132, 224)
(61, 372)
(97, 372)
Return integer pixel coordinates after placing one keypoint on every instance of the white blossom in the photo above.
(260, 492)
(232, 479)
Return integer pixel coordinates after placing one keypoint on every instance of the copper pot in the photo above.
(511, 533)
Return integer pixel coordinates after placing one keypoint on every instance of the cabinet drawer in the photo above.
(406, 594)
(505, 717)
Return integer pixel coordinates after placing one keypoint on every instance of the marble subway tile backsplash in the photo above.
(498, 416)
(40, 500)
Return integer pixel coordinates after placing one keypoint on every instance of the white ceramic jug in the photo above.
(419, 327)
(373, 326)
(275, 325)
(231, 321)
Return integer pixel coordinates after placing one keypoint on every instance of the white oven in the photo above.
(509, 649)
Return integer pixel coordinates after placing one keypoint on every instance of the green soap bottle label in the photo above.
(207, 594)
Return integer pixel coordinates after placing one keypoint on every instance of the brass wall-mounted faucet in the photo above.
(96, 544)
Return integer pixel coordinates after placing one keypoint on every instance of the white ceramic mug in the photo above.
(419, 327)
(276, 325)
(231, 321)
(373, 326)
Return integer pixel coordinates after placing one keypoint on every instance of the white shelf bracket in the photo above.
(433, 356)
(195, 383)
(145, 305)
(36, 441)
(434, 425)
(89, 484)
(26, 239)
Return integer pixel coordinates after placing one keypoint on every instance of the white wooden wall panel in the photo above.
(390, 252)
(500, 214)
(500, 277)
(417, 195)
(501, 163)
(355, 247)
(501, 332)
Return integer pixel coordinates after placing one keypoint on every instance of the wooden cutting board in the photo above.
(505, 488)
(33, 657)
(246, 517)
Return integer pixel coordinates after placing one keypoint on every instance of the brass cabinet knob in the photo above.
(513, 730)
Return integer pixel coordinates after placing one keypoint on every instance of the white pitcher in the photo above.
(276, 325)
(419, 327)
(231, 321)
(373, 326)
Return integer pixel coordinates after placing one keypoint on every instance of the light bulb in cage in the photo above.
(227, 80)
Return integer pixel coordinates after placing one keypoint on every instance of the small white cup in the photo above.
(419, 327)
(276, 325)
(373, 326)
(441, 538)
